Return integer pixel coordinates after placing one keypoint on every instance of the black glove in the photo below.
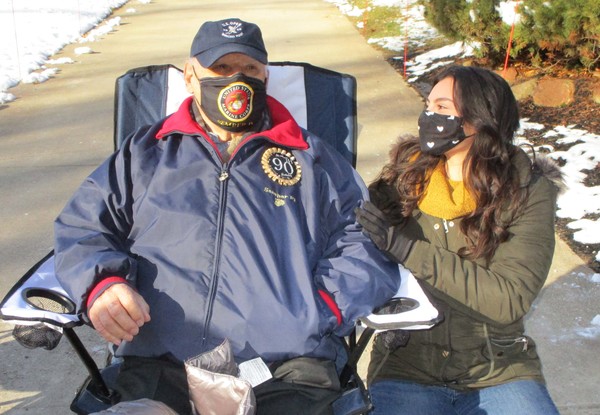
(392, 240)
(393, 339)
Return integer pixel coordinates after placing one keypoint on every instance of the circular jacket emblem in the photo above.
(235, 101)
(281, 166)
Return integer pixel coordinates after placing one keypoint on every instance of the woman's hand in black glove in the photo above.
(393, 339)
(392, 240)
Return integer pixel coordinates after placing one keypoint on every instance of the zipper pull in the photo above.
(223, 176)
(523, 340)
(445, 225)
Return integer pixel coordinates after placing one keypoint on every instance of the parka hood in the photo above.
(539, 165)
(550, 169)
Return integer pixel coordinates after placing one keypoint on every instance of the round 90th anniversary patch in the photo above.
(281, 166)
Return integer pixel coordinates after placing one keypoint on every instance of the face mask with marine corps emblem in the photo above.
(234, 103)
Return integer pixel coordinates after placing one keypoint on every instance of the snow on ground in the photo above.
(26, 56)
(25, 53)
(579, 200)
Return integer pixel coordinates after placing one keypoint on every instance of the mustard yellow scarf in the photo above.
(444, 198)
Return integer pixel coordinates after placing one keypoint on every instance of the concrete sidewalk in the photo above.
(57, 132)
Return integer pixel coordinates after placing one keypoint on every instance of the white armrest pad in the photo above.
(424, 316)
(17, 310)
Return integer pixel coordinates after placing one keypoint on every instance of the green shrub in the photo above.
(565, 32)
(471, 21)
(560, 31)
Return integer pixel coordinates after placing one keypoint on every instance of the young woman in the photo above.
(472, 216)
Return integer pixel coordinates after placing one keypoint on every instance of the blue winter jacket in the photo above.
(263, 249)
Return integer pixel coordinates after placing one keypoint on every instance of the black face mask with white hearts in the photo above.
(439, 133)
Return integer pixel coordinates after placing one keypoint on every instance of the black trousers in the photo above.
(164, 379)
(278, 397)
(161, 379)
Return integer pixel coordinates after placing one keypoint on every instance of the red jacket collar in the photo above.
(285, 130)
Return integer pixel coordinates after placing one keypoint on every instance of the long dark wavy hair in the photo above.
(485, 101)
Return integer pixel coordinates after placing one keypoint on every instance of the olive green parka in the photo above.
(481, 340)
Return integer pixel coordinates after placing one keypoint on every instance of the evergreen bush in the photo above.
(560, 31)
(565, 32)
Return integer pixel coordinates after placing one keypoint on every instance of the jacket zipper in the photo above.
(523, 340)
(445, 223)
(223, 176)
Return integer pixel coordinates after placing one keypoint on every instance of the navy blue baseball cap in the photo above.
(216, 39)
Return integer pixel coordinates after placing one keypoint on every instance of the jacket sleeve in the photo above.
(502, 292)
(91, 233)
(351, 268)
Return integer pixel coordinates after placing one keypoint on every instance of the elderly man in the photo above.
(225, 220)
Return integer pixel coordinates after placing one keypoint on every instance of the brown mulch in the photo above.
(583, 114)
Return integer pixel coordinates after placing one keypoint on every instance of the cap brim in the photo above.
(208, 57)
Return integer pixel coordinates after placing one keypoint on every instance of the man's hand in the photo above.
(119, 313)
